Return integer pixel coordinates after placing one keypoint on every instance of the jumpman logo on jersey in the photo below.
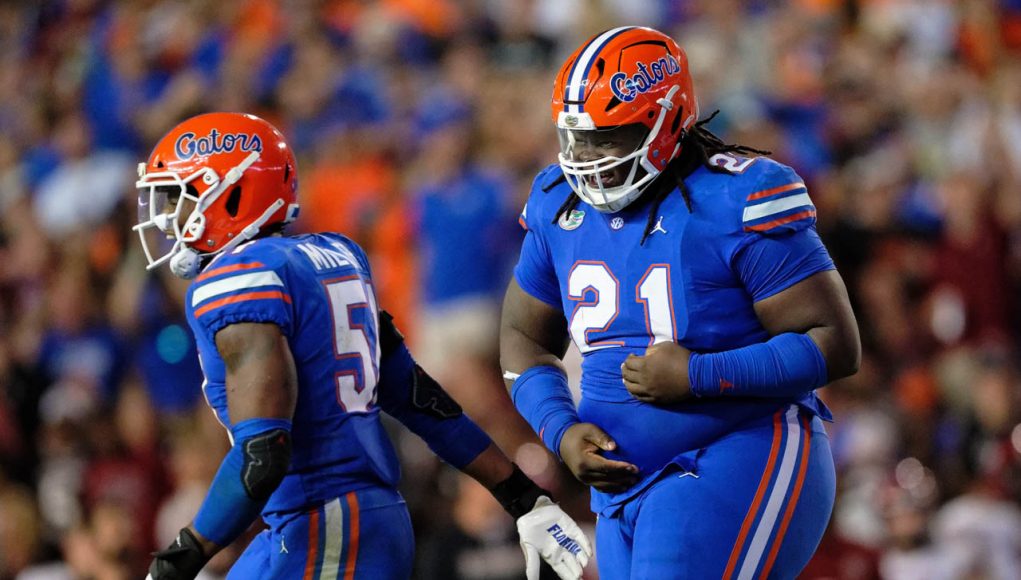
(283, 546)
(659, 227)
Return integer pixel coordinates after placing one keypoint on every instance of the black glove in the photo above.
(182, 560)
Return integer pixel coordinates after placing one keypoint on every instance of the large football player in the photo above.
(689, 274)
(298, 362)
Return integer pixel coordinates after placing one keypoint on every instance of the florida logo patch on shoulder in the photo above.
(573, 220)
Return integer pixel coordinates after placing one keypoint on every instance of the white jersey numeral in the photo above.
(654, 294)
(355, 343)
(595, 290)
(731, 163)
(597, 293)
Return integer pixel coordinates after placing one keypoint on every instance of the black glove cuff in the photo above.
(517, 494)
(184, 558)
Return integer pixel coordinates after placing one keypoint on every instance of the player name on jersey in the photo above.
(326, 258)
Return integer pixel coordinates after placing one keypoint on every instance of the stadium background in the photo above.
(418, 125)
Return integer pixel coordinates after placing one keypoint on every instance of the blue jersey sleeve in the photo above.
(535, 272)
(249, 285)
(359, 253)
(771, 264)
(780, 246)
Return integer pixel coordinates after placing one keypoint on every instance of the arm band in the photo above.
(544, 400)
(518, 494)
(228, 510)
(407, 393)
(787, 365)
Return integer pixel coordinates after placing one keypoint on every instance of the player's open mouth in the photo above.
(606, 179)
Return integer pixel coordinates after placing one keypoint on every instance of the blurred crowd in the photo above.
(418, 125)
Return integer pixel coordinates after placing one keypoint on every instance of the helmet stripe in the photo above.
(575, 89)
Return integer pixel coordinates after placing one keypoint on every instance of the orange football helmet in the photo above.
(624, 76)
(232, 172)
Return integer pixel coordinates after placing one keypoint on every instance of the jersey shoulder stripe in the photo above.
(232, 284)
(252, 271)
(784, 223)
(779, 203)
(227, 270)
(775, 191)
(776, 205)
(236, 298)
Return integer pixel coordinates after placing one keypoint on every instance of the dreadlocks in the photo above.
(699, 146)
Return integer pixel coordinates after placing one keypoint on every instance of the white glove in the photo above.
(548, 532)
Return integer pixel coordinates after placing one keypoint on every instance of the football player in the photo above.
(298, 362)
(689, 274)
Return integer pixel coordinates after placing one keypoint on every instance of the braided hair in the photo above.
(699, 145)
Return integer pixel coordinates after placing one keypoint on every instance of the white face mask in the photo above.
(605, 181)
(162, 196)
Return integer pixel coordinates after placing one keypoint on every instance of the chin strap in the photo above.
(186, 263)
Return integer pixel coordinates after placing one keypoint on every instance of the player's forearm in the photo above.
(407, 393)
(787, 365)
(249, 474)
(508, 484)
(209, 547)
(490, 467)
(543, 398)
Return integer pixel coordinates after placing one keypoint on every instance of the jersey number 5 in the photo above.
(597, 293)
(355, 342)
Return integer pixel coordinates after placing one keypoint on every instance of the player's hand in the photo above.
(547, 532)
(580, 449)
(661, 376)
(182, 560)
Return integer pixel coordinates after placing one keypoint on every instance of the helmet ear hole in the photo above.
(233, 201)
(677, 121)
(287, 171)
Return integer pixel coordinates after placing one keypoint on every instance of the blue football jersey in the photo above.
(318, 290)
(749, 235)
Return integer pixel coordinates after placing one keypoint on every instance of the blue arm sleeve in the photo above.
(786, 365)
(228, 510)
(409, 395)
(543, 398)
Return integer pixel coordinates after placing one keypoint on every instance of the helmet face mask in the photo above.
(211, 183)
(163, 199)
(604, 165)
(624, 77)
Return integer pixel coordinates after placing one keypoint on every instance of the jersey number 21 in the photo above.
(597, 293)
